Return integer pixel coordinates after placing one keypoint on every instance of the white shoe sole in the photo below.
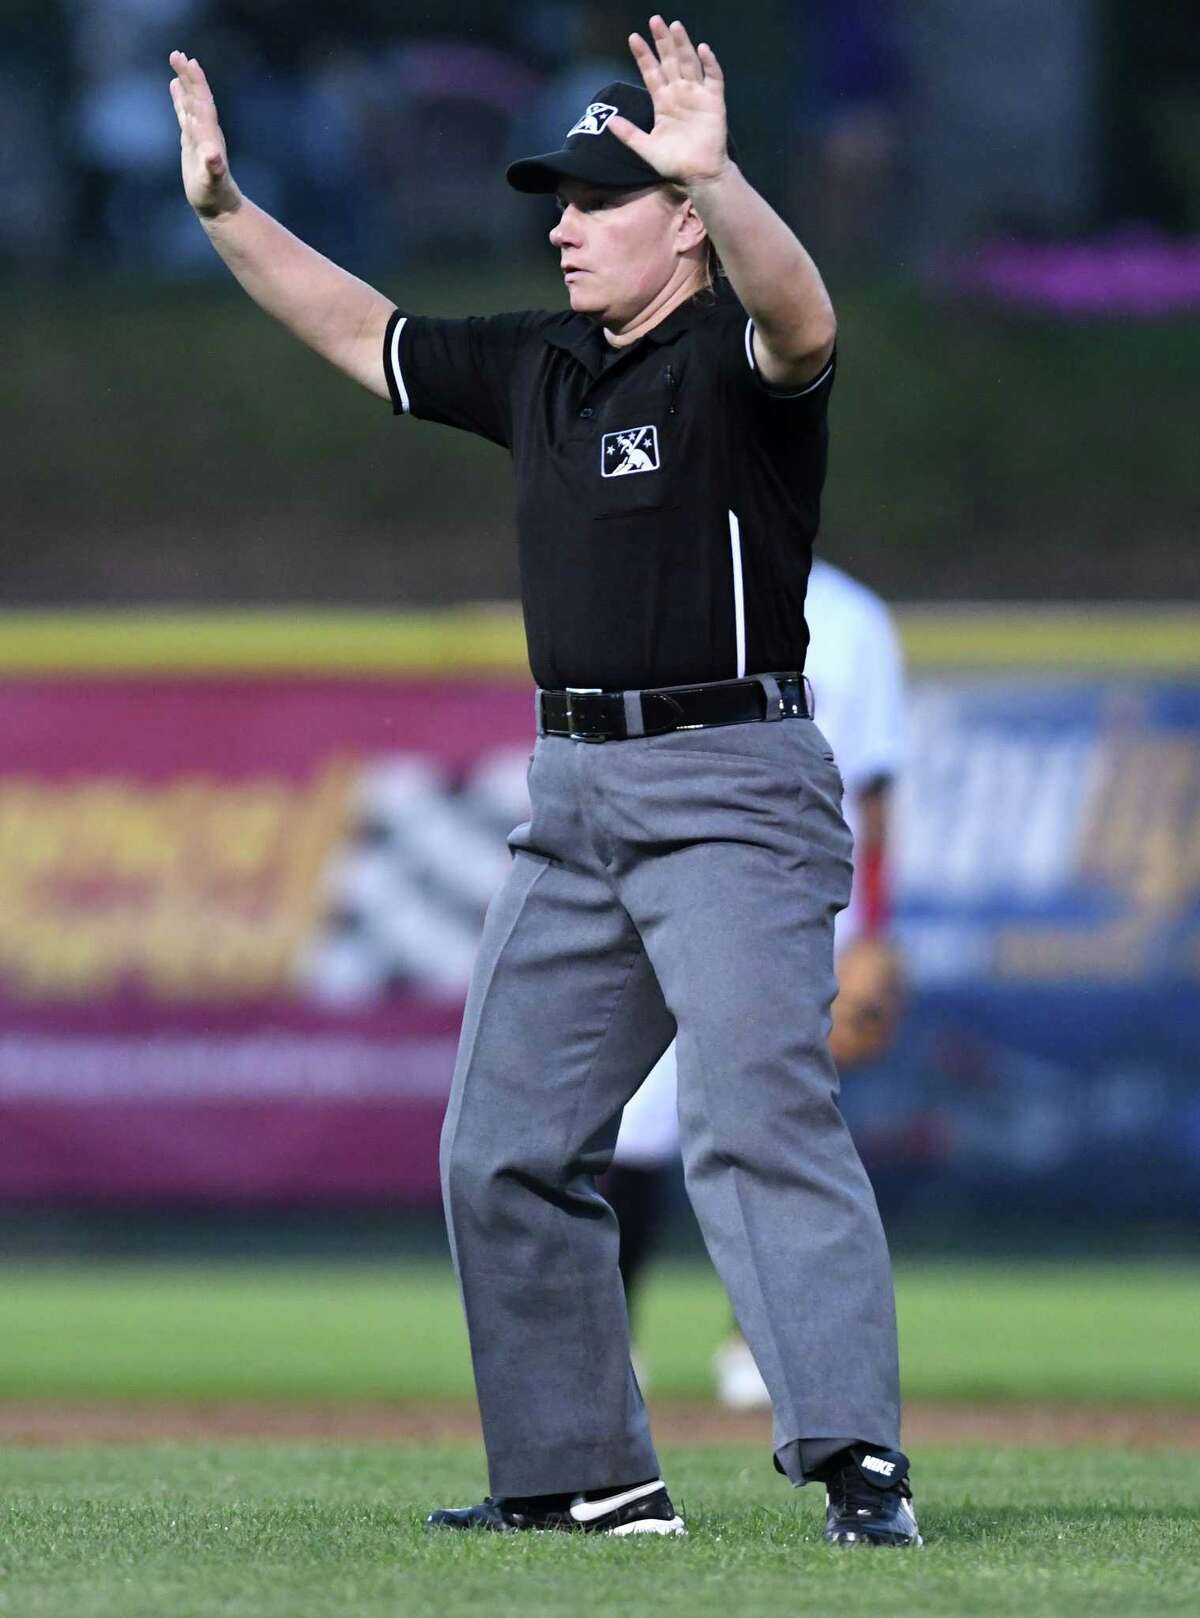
(854, 1541)
(649, 1525)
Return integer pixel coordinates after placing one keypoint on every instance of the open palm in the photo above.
(688, 142)
(206, 179)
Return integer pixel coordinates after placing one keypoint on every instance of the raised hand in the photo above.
(688, 142)
(207, 181)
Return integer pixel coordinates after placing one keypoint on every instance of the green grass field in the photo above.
(1120, 1332)
(287, 1532)
(309, 1531)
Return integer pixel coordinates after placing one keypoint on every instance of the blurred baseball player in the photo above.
(686, 853)
(855, 668)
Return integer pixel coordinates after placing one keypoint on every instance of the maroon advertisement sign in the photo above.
(237, 923)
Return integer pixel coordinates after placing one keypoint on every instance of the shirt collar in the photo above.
(689, 314)
(579, 336)
(583, 338)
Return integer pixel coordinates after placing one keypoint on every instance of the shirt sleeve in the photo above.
(732, 331)
(457, 372)
(808, 401)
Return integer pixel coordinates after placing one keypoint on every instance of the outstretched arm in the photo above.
(332, 311)
(775, 279)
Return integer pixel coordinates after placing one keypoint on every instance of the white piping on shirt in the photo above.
(397, 373)
(739, 600)
(800, 392)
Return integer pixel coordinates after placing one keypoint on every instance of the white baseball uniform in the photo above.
(856, 669)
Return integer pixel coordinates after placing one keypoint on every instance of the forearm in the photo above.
(333, 312)
(871, 876)
(774, 277)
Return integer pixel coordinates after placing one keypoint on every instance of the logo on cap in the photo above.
(593, 120)
(634, 449)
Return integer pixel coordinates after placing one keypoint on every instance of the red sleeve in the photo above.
(874, 890)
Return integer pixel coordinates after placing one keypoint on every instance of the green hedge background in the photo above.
(165, 442)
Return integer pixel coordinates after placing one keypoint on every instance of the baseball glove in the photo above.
(869, 1002)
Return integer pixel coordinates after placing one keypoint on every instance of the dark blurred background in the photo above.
(1006, 200)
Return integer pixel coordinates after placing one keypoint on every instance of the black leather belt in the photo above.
(617, 716)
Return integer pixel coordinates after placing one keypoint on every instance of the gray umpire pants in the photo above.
(688, 882)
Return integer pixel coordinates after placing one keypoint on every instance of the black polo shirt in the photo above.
(667, 499)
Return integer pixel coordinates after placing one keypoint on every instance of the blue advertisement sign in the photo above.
(1048, 902)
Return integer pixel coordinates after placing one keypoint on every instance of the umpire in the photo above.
(669, 443)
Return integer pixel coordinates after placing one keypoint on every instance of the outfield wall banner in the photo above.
(238, 918)
(239, 915)
(1049, 908)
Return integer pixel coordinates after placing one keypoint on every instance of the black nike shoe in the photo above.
(643, 1509)
(868, 1500)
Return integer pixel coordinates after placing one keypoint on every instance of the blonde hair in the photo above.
(714, 270)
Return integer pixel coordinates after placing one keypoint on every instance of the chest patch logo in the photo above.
(634, 449)
(593, 121)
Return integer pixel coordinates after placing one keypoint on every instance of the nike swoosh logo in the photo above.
(589, 1510)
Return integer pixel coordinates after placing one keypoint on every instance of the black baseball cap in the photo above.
(591, 151)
